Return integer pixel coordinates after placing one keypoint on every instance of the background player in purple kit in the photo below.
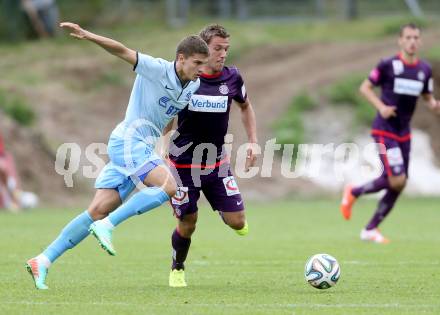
(402, 79)
(203, 124)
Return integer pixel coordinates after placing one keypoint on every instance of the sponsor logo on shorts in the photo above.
(208, 103)
(181, 197)
(177, 211)
(394, 156)
(407, 87)
(230, 186)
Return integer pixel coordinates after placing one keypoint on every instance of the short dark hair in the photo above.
(192, 45)
(412, 26)
(213, 30)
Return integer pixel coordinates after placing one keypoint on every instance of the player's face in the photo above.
(410, 41)
(218, 51)
(192, 66)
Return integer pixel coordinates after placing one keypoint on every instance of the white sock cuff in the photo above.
(44, 260)
(107, 223)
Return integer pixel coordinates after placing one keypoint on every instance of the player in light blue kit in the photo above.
(160, 91)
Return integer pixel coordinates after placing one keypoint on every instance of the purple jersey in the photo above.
(401, 84)
(206, 118)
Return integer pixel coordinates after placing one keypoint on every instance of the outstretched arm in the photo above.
(112, 46)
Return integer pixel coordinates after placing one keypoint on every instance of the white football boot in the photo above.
(373, 235)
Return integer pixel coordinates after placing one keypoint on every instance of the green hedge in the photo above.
(289, 129)
(346, 92)
(17, 108)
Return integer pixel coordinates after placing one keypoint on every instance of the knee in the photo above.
(397, 183)
(170, 188)
(187, 225)
(187, 229)
(98, 211)
(236, 222)
(237, 225)
(171, 191)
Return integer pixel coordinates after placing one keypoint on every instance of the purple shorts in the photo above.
(219, 188)
(396, 158)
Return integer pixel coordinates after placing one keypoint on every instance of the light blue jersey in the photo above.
(157, 96)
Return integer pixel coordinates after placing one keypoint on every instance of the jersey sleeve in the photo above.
(376, 76)
(148, 66)
(428, 86)
(241, 94)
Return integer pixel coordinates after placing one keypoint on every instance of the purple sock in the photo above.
(180, 250)
(384, 208)
(371, 187)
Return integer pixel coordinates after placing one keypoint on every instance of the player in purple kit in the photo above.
(402, 79)
(202, 127)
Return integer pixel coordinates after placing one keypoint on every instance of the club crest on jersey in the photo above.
(230, 186)
(398, 67)
(421, 75)
(163, 101)
(223, 88)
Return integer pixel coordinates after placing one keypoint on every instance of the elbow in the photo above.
(244, 111)
(363, 89)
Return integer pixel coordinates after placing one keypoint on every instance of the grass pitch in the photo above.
(227, 274)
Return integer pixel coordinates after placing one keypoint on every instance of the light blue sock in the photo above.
(72, 234)
(141, 202)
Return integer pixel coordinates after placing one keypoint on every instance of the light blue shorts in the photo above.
(124, 170)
